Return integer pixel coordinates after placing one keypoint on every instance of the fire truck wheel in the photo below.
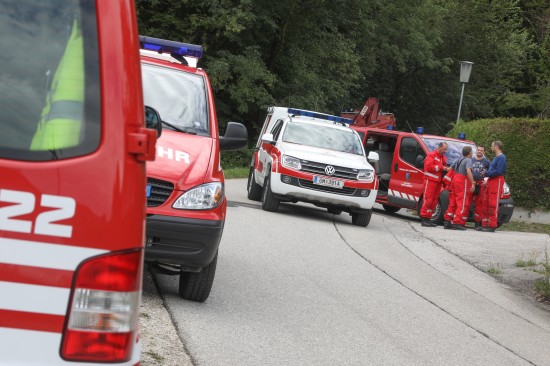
(269, 201)
(196, 286)
(253, 188)
(391, 209)
(361, 219)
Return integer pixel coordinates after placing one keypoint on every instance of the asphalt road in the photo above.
(304, 287)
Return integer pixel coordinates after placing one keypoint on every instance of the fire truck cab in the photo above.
(401, 165)
(315, 158)
(186, 203)
(73, 146)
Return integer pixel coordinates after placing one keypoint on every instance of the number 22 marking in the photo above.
(25, 202)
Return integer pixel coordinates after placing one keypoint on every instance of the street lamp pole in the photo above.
(465, 71)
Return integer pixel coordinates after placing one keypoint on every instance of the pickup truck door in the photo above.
(407, 179)
(264, 158)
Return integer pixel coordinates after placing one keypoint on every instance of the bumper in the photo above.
(303, 190)
(183, 241)
(505, 210)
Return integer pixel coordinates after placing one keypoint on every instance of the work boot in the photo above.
(447, 225)
(478, 227)
(459, 227)
(428, 223)
(489, 229)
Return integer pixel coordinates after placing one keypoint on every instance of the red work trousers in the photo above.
(460, 200)
(479, 201)
(495, 186)
(430, 198)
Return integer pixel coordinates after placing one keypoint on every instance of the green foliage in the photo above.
(236, 158)
(326, 55)
(527, 148)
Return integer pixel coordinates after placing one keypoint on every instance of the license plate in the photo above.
(328, 182)
(148, 191)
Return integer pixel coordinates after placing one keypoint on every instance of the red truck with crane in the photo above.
(401, 161)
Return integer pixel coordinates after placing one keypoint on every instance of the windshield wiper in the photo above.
(180, 129)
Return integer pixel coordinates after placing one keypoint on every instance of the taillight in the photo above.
(102, 317)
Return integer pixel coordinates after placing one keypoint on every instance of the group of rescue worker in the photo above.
(471, 178)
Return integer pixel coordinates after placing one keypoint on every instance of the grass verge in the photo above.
(234, 173)
(526, 227)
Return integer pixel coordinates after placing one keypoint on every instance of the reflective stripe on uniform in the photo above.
(431, 175)
(65, 109)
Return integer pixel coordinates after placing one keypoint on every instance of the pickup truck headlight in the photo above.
(291, 162)
(506, 189)
(365, 174)
(202, 197)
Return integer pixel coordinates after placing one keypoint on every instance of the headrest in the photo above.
(383, 146)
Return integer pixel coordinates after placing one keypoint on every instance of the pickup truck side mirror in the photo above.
(268, 137)
(419, 162)
(152, 120)
(373, 156)
(235, 138)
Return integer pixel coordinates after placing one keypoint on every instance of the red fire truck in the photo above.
(72, 180)
(400, 168)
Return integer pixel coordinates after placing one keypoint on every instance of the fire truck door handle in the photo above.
(395, 167)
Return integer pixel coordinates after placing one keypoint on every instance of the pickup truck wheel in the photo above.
(196, 286)
(361, 219)
(269, 201)
(253, 188)
(391, 209)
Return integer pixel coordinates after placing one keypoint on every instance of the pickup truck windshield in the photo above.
(455, 147)
(178, 96)
(323, 137)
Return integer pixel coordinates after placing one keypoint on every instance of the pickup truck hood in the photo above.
(181, 159)
(326, 156)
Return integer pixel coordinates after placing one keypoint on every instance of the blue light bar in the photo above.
(165, 46)
(461, 136)
(328, 117)
(420, 130)
(390, 127)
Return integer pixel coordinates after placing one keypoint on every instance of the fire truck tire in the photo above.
(196, 286)
(391, 209)
(269, 201)
(361, 219)
(253, 188)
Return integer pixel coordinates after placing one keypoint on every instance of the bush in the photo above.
(527, 148)
(236, 158)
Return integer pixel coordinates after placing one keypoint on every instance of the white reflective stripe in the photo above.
(431, 175)
(44, 255)
(33, 298)
(25, 347)
(403, 195)
(437, 168)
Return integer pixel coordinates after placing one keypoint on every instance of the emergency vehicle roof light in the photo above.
(461, 136)
(165, 46)
(390, 127)
(420, 130)
(328, 117)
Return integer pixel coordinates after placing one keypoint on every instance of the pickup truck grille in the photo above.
(160, 191)
(346, 191)
(319, 168)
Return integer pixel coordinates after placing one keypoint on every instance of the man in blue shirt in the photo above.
(480, 164)
(495, 185)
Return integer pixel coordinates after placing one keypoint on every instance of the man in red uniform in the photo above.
(480, 164)
(434, 166)
(462, 191)
(495, 184)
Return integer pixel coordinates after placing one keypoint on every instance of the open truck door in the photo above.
(72, 182)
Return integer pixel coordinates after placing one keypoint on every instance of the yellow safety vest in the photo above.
(61, 119)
